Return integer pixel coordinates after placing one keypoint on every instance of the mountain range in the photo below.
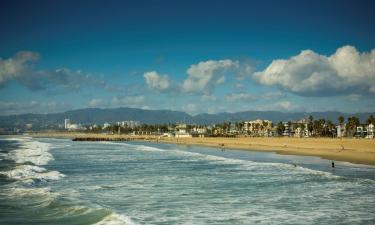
(100, 116)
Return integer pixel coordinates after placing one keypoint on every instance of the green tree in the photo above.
(352, 124)
(280, 128)
(341, 120)
(371, 120)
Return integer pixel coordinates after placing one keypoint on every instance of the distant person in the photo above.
(333, 164)
(222, 147)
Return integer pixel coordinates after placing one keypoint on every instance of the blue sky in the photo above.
(194, 56)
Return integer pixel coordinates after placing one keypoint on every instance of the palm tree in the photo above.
(341, 120)
(353, 122)
(280, 128)
(370, 120)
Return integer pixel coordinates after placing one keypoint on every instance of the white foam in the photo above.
(31, 151)
(248, 164)
(137, 147)
(27, 172)
(19, 192)
(115, 219)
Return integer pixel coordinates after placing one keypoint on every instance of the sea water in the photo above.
(57, 181)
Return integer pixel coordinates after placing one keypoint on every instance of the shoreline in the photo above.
(358, 151)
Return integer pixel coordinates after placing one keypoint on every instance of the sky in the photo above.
(192, 56)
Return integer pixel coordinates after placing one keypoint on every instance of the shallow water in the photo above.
(57, 181)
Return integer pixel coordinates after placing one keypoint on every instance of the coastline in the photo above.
(358, 151)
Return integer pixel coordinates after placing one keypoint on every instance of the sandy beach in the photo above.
(360, 151)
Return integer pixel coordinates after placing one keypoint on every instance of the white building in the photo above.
(129, 123)
(181, 131)
(261, 127)
(370, 131)
(72, 126)
(67, 123)
(340, 130)
(106, 125)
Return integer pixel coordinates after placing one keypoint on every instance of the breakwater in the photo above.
(101, 139)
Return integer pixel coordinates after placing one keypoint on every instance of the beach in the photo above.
(360, 151)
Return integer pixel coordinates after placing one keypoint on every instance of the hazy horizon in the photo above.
(280, 111)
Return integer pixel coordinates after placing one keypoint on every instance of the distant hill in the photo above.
(100, 116)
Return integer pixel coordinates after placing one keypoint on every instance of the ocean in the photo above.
(57, 181)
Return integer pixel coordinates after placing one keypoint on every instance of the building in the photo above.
(72, 126)
(340, 130)
(233, 128)
(257, 127)
(67, 123)
(181, 131)
(370, 131)
(360, 131)
(106, 125)
(129, 123)
(199, 131)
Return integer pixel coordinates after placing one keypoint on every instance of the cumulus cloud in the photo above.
(204, 76)
(157, 81)
(21, 67)
(312, 74)
(243, 96)
(16, 66)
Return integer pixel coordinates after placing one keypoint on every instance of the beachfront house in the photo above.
(360, 131)
(257, 127)
(288, 129)
(129, 124)
(370, 131)
(199, 131)
(233, 128)
(181, 131)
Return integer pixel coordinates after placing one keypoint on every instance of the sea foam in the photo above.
(27, 172)
(115, 219)
(31, 151)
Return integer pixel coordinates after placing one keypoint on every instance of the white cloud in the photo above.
(245, 70)
(309, 73)
(157, 81)
(21, 67)
(205, 76)
(240, 97)
(16, 66)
